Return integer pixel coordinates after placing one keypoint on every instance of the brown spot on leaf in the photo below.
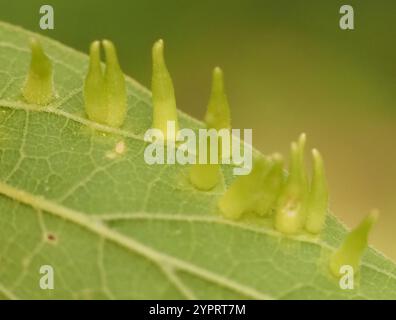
(51, 237)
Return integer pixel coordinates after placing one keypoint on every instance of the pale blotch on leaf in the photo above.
(351, 250)
(105, 93)
(291, 207)
(318, 198)
(163, 93)
(119, 149)
(245, 193)
(38, 88)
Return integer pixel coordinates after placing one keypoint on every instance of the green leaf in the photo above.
(78, 196)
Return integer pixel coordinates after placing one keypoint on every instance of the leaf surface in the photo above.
(112, 226)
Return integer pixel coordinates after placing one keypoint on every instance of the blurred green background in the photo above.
(289, 69)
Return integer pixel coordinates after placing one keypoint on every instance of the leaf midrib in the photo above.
(94, 224)
(218, 220)
(125, 242)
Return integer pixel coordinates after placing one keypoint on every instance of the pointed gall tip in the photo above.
(218, 80)
(110, 52)
(217, 72)
(158, 54)
(37, 50)
(318, 169)
(34, 43)
(317, 157)
(108, 45)
(158, 47)
(94, 51)
(373, 216)
(95, 45)
(218, 111)
(302, 139)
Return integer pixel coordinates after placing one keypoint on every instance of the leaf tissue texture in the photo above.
(78, 196)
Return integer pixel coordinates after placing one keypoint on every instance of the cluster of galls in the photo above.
(294, 202)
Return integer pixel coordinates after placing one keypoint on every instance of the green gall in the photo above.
(105, 93)
(163, 93)
(291, 207)
(298, 169)
(94, 92)
(351, 250)
(218, 112)
(205, 176)
(245, 192)
(272, 186)
(38, 88)
(114, 82)
(318, 197)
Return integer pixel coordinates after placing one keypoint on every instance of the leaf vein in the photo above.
(123, 241)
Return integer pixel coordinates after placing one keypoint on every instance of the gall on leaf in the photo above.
(105, 93)
(318, 198)
(245, 192)
(290, 212)
(218, 112)
(205, 176)
(163, 93)
(351, 250)
(38, 88)
(271, 186)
